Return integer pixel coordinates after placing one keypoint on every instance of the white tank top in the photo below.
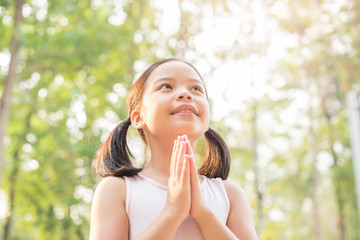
(146, 198)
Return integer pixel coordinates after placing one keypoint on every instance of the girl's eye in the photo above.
(198, 89)
(166, 86)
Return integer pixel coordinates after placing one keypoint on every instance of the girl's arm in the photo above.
(240, 220)
(108, 215)
(163, 227)
(239, 224)
(211, 227)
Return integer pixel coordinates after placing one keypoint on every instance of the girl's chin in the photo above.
(192, 131)
(194, 135)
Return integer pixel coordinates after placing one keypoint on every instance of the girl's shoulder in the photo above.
(234, 191)
(113, 187)
(108, 213)
(109, 183)
(112, 181)
(231, 185)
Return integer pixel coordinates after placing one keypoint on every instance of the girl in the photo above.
(169, 198)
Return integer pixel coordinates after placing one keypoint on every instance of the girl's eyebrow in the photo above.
(173, 79)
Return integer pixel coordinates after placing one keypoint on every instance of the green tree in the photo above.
(77, 66)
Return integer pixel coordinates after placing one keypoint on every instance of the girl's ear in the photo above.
(137, 120)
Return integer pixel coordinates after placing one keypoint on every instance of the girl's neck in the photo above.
(158, 164)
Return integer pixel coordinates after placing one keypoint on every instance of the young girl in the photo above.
(169, 198)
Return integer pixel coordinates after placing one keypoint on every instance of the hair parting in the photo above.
(217, 158)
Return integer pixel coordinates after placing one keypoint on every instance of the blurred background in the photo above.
(277, 72)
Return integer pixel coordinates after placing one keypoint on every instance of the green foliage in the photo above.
(78, 63)
(71, 60)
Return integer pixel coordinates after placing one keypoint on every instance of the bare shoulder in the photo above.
(110, 190)
(111, 186)
(112, 181)
(234, 190)
(108, 215)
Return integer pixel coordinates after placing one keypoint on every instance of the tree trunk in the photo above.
(259, 191)
(314, 154)
(313, 138)
(10, 80)
(336, 186)
(181, 41)
(13, 178)
(12, 186)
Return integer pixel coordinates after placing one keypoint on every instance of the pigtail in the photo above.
(217, 158)
(113, 159)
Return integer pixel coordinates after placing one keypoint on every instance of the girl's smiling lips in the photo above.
(185, 109)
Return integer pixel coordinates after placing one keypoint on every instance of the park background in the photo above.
(277, 73)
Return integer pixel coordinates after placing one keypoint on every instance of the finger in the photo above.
(180, 159)
(184, 137)
(194, 178)
(189, 150)
(185, 174)
(172, 164)
(175, 154)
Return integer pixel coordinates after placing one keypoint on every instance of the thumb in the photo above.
(189, 149)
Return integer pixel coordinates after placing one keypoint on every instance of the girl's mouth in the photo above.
(185, 109)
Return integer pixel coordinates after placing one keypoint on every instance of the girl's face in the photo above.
(175, 102)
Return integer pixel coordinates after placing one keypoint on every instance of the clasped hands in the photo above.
(184, 194)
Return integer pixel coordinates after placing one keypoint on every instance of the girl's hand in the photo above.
(198, 206)
(179, 193)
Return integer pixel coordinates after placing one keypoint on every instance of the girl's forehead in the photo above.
(174, 69)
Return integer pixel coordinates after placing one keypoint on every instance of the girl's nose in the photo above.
(184, 95)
